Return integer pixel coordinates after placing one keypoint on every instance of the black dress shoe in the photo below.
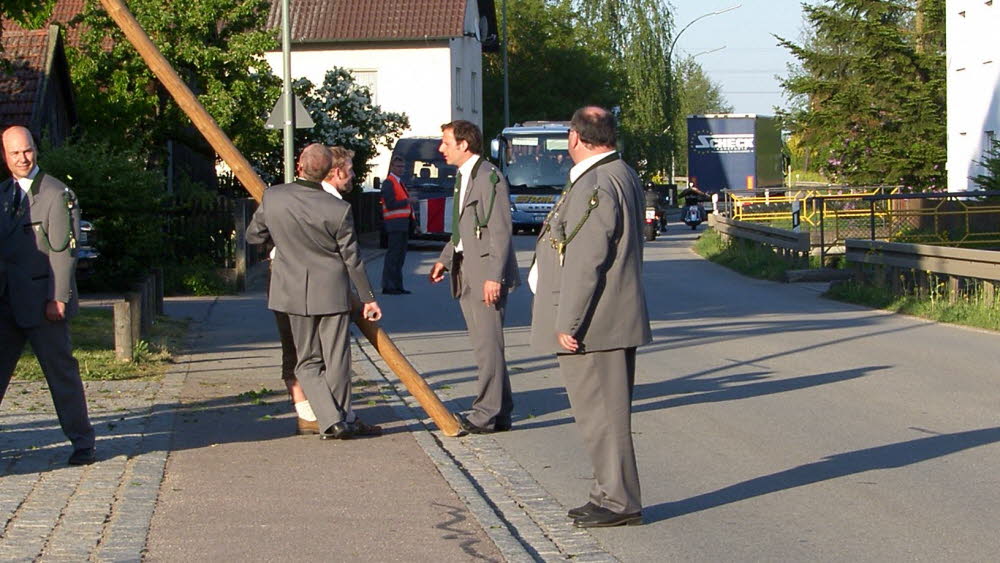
(473, 429)
(396, 292)
(339, 431)
(83, 456)
(581, 510)
(360, 428)
(603, 518)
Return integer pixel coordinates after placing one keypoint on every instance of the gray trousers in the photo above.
(324, 365)
(599, 386)
(395, 255)
(51, 344)
(494, 402)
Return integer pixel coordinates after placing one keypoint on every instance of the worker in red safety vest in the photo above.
(396, 216)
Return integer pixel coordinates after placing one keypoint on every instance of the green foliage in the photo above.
(638, 36)
(552, 72)
(120, 197)
(198, 276)
(871, 90)
(973, 308)
(749, 259)
(344, 115)
(991, 179)
(215, 46)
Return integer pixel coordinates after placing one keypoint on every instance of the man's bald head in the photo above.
(315, 162)
(19, 151)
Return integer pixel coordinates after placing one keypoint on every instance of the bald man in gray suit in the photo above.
(317, 258)
(39, 226)
(480, 258)
(590, 310)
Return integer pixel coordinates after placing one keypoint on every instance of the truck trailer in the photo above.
(739, 152)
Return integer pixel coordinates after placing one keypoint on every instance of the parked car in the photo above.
(86, 252)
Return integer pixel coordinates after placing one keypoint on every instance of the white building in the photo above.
(973, 55)
(419, 57)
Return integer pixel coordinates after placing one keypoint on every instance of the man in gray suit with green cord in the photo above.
(480, 258)
(590, 310)
(39, 226)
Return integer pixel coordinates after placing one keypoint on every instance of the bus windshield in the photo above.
(537, 160)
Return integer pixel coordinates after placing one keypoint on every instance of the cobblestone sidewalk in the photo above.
(55, 512)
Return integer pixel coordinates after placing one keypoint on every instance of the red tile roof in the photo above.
(27, 52)
(371, 20)
(62, 13)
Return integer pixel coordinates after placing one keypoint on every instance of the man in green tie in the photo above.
(480, 258)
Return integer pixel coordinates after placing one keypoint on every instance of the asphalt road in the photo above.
(770, 423)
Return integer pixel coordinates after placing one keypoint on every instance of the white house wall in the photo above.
(411, 80)
(973, 62)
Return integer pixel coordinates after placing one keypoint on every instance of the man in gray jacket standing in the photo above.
(39, 226)
(480, 258)
(590, 310)
(317, 258)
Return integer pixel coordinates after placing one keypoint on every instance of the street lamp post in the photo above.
(670, 65)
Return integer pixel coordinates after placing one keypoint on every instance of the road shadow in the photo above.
(889, 456)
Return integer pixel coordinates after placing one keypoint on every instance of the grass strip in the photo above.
(93, 337)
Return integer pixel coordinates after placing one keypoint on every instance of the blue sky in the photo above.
(746, 67)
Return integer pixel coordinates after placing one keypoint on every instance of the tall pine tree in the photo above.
(872, 84)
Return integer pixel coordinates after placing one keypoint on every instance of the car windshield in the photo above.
(537, 160)
(429, 174)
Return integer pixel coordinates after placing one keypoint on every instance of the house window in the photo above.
(368, 78)
(459, 93)
(474, 88)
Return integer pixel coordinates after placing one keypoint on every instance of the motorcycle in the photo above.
(694, 212)
(653, 224)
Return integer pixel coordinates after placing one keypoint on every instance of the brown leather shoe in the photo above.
(307, 427)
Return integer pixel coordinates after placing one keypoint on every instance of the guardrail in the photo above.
(899, 264)
(789, 245)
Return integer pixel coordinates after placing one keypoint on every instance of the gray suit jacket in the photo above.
(317, 254)
(491, 255)
(597, 294)
(37, 260)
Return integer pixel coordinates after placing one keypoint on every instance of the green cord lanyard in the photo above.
(69, 202)
(494, 179)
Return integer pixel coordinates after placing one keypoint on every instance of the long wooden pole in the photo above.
(415, 384)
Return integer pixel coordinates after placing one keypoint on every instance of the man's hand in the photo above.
(437, 272)
(372, 311)
(568, 342)
(491, 292)
(55, 311)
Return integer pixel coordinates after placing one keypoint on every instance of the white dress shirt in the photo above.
(466, 171)
(574, 173)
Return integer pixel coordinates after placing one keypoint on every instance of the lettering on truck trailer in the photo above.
(725, 143)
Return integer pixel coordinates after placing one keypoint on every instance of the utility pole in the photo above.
(506, 85)
(289, 109)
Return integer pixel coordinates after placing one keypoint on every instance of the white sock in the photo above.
(305, 411)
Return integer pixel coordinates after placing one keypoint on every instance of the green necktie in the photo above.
(455, 214)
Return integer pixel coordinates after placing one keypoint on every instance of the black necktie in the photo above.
(16, 199)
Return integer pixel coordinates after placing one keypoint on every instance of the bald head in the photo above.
(315, 162)
(19, 151)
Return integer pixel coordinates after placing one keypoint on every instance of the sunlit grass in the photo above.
(92, 333)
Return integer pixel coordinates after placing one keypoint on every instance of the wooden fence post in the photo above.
(240, 222)
(158, 289)
(134, 299)
(124, 341)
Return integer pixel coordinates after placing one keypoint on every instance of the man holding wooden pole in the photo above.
(317, 259)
